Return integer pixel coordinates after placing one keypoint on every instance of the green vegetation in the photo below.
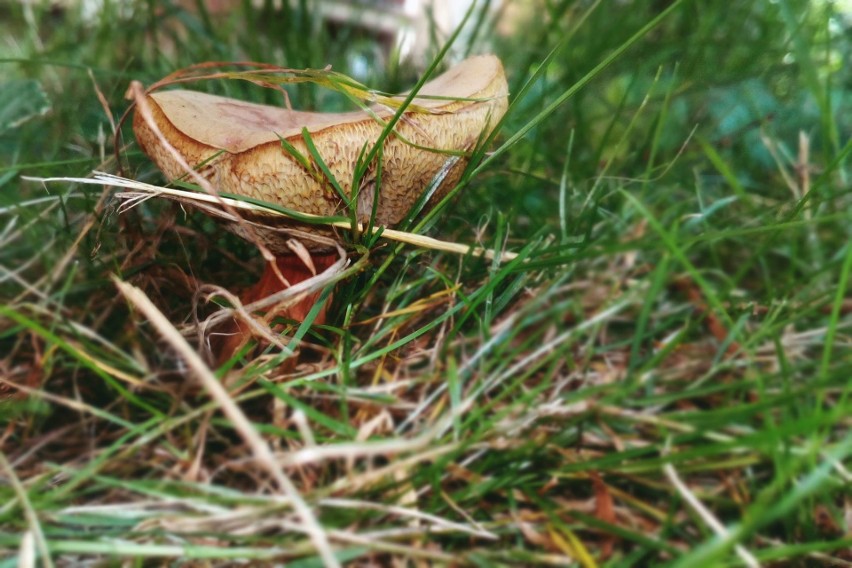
(661, 377)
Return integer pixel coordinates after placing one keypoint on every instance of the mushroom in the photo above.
(262, 152)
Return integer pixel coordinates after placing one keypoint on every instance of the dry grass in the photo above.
(639, 354)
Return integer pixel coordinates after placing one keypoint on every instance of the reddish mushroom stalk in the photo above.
(292, 270)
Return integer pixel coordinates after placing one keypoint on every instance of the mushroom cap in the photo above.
(236, 144)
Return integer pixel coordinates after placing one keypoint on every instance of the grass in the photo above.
(660, 377)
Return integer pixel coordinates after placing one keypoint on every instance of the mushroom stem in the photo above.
(293, 270)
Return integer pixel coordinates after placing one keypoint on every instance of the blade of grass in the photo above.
(679, 253)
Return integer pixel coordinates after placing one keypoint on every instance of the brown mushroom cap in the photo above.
(238, 142)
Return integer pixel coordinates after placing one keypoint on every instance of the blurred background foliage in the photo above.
(731, 71)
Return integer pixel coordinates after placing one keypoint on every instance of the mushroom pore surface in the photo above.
(236, 146)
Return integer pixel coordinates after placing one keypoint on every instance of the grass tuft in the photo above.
(622, 340)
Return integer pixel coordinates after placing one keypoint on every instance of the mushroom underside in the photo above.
(307, 162)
